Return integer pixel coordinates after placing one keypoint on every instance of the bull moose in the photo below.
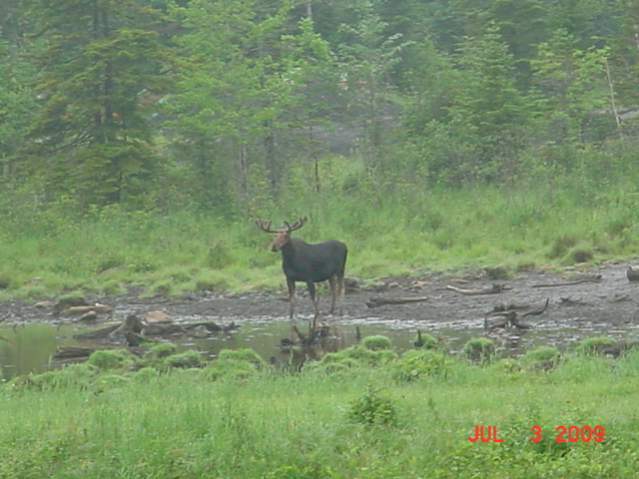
(310, 263)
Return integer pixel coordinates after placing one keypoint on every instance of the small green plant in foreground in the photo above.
(372, 408)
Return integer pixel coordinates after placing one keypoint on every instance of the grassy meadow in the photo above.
(553, 222)
(360, 413)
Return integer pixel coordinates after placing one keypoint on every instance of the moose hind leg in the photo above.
(291, 297)
(333, 283)
(341, 290)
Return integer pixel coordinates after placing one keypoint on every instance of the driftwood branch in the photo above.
(494, 289)
(377, 301)
(590, 279)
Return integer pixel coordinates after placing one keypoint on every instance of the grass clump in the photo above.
(416, 364)
(542, 358)
(596, 345)
(237, 364)
(145, 375)
(245, 354)
(361, 356)
(161, 350)
(373, 408)
(479, 350)
(111, 359)
(76, 376)
(376, 343)
(187, 359)
(426, 341)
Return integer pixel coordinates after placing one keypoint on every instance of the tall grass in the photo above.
(180, 425)
(394, 230)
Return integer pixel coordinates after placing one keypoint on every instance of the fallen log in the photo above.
(632, 274)
(211, 326)
(377, 301)
(537, 312)
(494, 289)
(98, 334)
(80, 310)
(72, 352)
(590, 279)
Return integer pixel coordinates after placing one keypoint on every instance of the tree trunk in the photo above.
(613, 104)
(315, 157)
(309, 9)
(243, 166)
(271, 162)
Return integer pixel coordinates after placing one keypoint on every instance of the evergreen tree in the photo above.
(101, 71)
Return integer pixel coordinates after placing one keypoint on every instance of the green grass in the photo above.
(362, 421)
(549, 224)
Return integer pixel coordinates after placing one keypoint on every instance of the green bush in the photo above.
(417, 364)
(111, 359)
(541, 358)
(373, 409)
(229, 369)
(479, 350)
(376, 343)
(596, 345)
(187, 359)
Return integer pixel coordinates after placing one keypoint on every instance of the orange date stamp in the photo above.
(564, 434)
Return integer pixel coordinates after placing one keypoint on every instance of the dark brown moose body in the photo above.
(310, 263)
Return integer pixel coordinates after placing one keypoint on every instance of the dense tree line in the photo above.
(227, 103)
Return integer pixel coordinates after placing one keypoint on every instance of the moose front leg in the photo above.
(314, 298)
(291, 297)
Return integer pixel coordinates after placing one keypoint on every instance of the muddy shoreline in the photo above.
(613, 301)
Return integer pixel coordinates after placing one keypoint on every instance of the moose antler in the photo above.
(297, 225)
(265, 226)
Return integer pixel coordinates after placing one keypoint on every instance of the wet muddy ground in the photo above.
(607, 307)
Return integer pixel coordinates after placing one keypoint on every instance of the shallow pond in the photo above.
(28, 348)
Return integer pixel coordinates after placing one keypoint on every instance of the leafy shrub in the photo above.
(416, 364)
(373, 409)
(596, 345)
(376, 343)
(111, 359)
(218, 256)
(479, 350)
(187, 359)
(541, 358)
